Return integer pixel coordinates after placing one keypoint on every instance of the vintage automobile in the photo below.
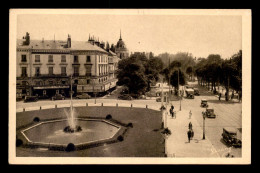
(58, 97)
(196, 92)
(83, 96)
(190, 93)
(210, 113)
(125, 97)
(204, 103)
(30, 99)
(229, 135)
(189, 87)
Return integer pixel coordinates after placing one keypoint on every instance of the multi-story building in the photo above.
(46, 67)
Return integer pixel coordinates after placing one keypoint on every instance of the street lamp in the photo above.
(204, 117)
(179, 87)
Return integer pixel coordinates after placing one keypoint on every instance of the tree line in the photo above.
(138, 73)
(214, 71)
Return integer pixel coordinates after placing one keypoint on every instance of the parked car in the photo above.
(58, 97)
(190, 93)
(125, 97)
(229, 135)
(83, 96)
(210, 113)
(204, 103)
(30, 99)
(189, 87)
(196, 92)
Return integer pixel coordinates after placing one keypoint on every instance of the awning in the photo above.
(51, 87)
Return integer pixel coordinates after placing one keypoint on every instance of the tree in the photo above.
(137, 72)
(189, 71)
(174, 79)
(153, 68)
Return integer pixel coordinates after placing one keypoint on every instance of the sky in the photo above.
(199, 35)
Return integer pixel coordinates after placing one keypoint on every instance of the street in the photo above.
(228, 114)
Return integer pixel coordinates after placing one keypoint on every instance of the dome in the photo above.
(120, 44)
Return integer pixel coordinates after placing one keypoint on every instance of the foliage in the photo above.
(215, 70)
(137, 73)
(174, 79)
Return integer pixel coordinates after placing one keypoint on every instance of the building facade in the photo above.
(49, 67)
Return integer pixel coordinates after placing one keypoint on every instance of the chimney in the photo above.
(27, 39)
(102, 45)
(69, 41)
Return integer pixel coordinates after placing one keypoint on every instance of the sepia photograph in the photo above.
(129, 86)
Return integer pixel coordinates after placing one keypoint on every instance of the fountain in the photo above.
(59, 134)
(72, 127)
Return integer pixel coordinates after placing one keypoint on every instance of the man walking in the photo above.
(219, 96)
(171, 112)
(189, 135)
(190, 126)
(190, 114)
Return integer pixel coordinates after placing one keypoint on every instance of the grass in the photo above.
(140, 141)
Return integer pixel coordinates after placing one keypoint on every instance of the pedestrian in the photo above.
(192, 134)
(171, 112)
(219, 96)
(190, 114)
(190, 126)
(189, 135)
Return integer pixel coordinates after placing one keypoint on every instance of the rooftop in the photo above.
(59, 45)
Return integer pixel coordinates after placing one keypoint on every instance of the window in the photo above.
(24, 58)
(76, 71)
(50, 82)
(63, 82)
(88, 70)
(37, 58)
(76, 58)
(63, 58)
(24, 71)
(63, 70)
(88, 58)
(37, 71)
(76, 81)
(50, 58)
(88, 81)
(50, 70)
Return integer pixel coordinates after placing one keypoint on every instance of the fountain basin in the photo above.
(51, 133)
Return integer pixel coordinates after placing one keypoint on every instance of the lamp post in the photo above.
(204, 117)
(179, 87)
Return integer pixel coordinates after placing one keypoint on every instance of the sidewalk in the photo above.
(177, 144)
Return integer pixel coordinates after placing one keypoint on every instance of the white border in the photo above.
(246, 105)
